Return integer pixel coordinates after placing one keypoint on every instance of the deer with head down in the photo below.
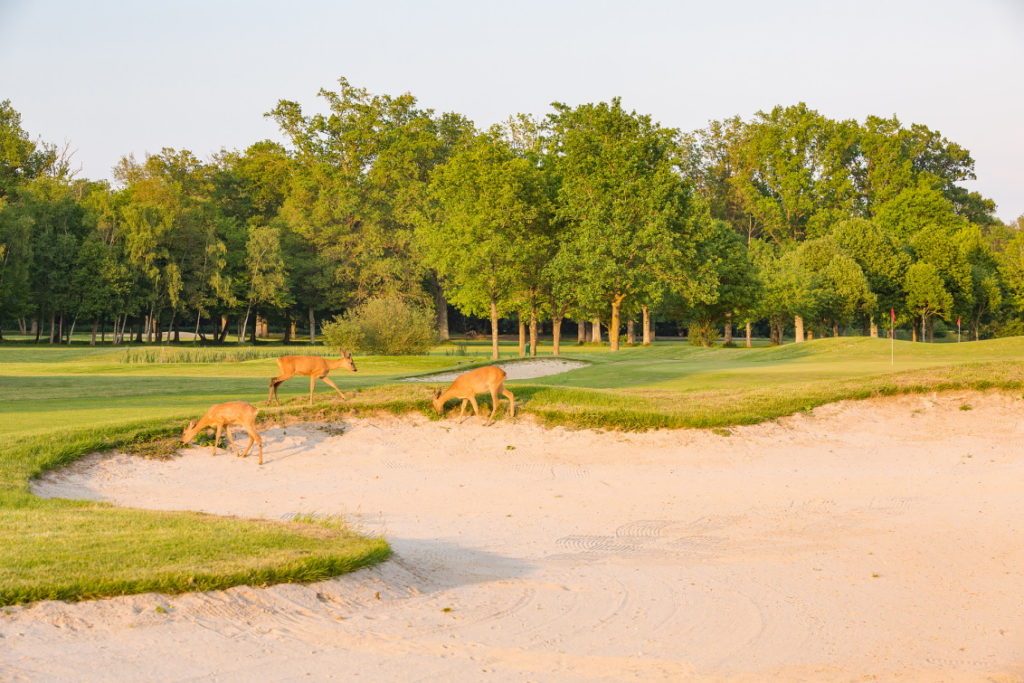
(488, 379)
(222, 416)
(316, 367)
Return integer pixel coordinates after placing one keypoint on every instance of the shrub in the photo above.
(386, 326)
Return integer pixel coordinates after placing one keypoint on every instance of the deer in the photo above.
(222, 416)
(316, 367)
(488, 379)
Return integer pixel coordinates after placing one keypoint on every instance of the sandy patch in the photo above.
(868, 539)
(521, 369)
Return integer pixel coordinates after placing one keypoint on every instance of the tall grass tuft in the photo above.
(174, 354)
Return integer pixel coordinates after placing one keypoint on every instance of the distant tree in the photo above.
(267, 275)
(926, 294)
(483, 230)
(623, 206)
(882, 259)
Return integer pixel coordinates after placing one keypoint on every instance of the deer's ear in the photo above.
(347, 354)
(437, 393)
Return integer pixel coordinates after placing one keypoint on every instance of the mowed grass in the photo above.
(59, 403)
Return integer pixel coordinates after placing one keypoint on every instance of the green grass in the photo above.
(59, 403)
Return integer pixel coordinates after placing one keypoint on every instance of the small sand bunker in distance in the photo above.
(522, 369)
(873, 539)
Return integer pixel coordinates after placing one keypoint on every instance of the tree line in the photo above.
(789, 221)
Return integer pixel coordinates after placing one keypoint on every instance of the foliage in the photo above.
(386, 326)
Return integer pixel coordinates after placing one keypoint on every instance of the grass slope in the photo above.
(60, 403)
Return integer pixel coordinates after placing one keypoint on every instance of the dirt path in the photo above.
(878, 538)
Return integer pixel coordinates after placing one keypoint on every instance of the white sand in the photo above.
(520, 369)
(870, 539)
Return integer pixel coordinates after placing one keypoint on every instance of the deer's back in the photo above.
(301, 365)
(479, 380)
(232, 411)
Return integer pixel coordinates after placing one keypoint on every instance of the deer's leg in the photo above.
(462, 410)
(275, 382)
(312, 383)
(494, 405)
(511, 401)
(216, 441)
(476, 408)
(231, 439)
(327, 379)
(254, 437)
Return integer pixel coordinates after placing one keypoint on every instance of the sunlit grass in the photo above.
(59, 403)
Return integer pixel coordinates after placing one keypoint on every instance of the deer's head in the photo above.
(344, 362)
(438, 403)
(190, 432)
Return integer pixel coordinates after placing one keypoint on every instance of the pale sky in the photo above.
(114, 77)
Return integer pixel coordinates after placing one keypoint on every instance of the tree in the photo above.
(622, 206)
(838, 289)
(360, 177)
(483, 230)
(267, 275)
(881, 259)
(733, 289)
(926, 294)
(792, 177)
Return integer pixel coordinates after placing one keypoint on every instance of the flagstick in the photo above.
(892, 345)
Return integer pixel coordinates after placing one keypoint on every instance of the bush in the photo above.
(385, 326)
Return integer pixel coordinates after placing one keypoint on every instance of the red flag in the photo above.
(958, 321)
(892, 315)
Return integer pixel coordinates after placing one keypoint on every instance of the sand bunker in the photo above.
(868, 539)
(520, 369)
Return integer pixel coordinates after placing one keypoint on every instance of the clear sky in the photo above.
(114, 77)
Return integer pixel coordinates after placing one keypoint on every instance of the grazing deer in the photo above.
(222, 416)
(314, 366)
(488, 379)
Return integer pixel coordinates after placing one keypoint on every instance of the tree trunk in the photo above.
(71, 330)
(494, 329)
(312, 326)
(798, 325)
(750, 341)
(441, 313)
(37, 327)
(835, 330)
(810, 334)
(581, 332)
(522, 337)
(913, 332)
(924, 330)
(630, 332)
(289, 331)
(727, 335)
(874, 328)
(595, 330)
(533, 334)
(646, 324)
(244, 325)
(613, 327)
(95, 325)
(556, 335)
